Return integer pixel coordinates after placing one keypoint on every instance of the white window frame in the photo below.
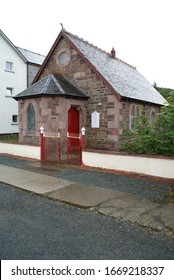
(9, 91)
(17, 119)
(9, 66)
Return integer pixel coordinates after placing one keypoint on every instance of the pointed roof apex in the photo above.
(63, 29)
(12, 45)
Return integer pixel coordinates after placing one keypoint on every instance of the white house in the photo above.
(18, 68)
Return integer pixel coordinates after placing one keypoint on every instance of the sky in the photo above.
(141, 31)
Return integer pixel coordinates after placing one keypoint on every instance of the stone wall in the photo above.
(32, 71)
(50, 113)
(142, 107)
(101, 98)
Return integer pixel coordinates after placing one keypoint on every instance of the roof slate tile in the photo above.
(32, 57)
(124, 78)
(52, 86)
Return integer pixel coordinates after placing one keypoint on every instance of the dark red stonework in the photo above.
(52, 113)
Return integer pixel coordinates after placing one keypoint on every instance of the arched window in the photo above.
(152, 116)
(31, 121)
(132, 114)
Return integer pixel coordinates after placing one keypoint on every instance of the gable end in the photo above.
(91, 66)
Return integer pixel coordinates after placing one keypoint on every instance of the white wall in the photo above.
(16, 80)
(26, 151)
(153, 166)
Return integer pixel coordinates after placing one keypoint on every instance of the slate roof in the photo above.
(122, 77)
(52, 86)
(32, 57)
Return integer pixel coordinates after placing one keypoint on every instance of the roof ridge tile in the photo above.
(58, 84)
(48, 79)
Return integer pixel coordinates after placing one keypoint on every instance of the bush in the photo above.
(155, 138)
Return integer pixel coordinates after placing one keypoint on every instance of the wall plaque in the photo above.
(95, 120)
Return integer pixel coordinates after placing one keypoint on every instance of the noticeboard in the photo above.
(95, 120)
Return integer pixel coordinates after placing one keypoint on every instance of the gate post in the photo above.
(83, 138)
(42, 151)
(59, 157)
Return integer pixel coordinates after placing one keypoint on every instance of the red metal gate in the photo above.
(74, 148)
(50, 147)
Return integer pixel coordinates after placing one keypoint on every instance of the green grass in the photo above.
(9, 139)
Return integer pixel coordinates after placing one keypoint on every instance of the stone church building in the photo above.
(80, 85)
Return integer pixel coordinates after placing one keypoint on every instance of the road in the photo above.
(34, 227)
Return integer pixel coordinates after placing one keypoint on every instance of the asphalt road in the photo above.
(34, 227)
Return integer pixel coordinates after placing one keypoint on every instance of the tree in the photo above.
(165, 92)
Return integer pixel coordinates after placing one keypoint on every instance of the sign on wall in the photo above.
(95, 120)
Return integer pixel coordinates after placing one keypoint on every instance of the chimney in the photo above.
(113, 52)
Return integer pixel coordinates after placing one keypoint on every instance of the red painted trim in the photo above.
(42, 148)
(59, 156)
(83, 142)
(81, 149)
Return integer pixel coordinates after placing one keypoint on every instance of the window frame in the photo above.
(152, 116)
(31, 119)
(9, 69)
(10, 94)
(132, 116)
(17, 120)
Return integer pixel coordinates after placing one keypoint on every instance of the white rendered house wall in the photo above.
(13, 79)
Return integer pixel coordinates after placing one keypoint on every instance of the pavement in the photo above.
(142, 211)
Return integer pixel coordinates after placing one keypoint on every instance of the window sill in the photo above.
(9, 71)
(8, 96)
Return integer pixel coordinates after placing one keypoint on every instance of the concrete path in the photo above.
(141, 211)
(30, 181)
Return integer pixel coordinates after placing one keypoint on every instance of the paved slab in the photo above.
(30, 181)
(83, 195)
(141, 211)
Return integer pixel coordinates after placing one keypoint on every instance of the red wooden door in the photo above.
(73, 121)
(73, 137)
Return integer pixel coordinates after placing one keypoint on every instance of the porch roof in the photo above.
(52, 86)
